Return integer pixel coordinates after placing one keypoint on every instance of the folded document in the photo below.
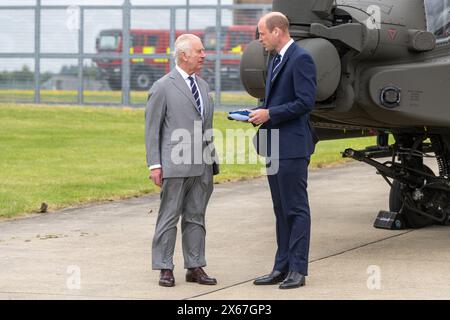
(239, 115)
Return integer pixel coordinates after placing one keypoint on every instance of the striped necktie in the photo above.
(276, 64)
(196, 94)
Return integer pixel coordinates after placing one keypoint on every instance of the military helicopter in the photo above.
(383, 68)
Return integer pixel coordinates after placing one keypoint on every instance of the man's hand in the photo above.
(156, 176)
(259, 116)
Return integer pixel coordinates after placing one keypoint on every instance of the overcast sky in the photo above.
(110, 2)
(60, 33)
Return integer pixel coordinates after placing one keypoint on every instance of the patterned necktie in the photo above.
(196, 94)
(275, 65)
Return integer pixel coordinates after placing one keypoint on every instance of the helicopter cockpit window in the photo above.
(438, 18)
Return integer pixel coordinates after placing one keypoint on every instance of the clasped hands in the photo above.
(258, 116)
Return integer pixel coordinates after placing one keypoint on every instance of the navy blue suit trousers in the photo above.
(293, 222)
(290, 98)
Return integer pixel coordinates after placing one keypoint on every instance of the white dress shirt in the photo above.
(188, 83)
(285, 48)
(282, 53)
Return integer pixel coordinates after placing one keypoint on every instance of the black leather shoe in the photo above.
(199, 275)
(273, 278)
(166, 278)
(293, 280)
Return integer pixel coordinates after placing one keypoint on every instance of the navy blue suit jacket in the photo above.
(290, 97)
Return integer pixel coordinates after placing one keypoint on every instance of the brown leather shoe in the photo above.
(166, 278)
(199, 275)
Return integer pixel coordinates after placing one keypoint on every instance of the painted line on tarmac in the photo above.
(312, 261)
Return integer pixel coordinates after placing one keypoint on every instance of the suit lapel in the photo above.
(180, 84)
(270, 82)
(278, 71)
(268, 78)
(205, 98)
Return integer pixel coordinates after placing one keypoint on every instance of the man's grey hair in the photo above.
(184, 44)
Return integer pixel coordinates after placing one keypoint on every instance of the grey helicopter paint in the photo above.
(383, 67)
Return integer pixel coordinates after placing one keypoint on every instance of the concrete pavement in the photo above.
(103, 251)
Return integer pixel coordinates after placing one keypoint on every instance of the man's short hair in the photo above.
(277, 20)
(183, 44)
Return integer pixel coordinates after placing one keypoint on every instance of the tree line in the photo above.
(27, 75)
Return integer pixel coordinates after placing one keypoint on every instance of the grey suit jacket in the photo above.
(174, 127)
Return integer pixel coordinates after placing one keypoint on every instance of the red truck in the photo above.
(145, 71)
(234, 40)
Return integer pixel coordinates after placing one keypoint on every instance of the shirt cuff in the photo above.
(155, 166)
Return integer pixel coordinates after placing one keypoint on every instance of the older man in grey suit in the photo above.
(180, 157)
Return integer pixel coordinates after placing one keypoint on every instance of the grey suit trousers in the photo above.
(188, 198)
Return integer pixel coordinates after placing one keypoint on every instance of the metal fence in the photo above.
(110, 55)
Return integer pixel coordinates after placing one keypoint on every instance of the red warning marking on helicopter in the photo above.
(392, 33)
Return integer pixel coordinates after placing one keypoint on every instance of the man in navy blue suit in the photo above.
(284, 120)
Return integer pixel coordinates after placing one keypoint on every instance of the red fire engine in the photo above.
(145, 71)
(234, 40)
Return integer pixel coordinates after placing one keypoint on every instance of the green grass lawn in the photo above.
(136, 97)
(65, 156)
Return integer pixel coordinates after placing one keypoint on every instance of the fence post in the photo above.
(187, 15)
(217, 82)
(126, 13)
(37, 52)
(80, 98)
(173, 28)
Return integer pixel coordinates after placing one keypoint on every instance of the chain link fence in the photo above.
(111, 54)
